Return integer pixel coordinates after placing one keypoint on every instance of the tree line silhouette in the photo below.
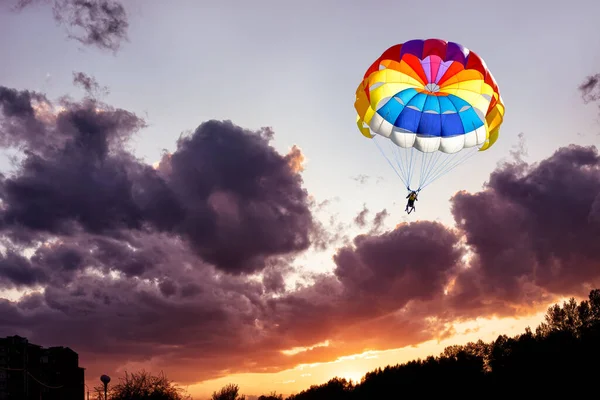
(561, 359)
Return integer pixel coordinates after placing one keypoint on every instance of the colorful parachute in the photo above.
(432, 104)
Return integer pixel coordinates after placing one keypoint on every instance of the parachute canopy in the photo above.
(432, 104)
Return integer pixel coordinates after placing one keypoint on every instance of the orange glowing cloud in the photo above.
(296, 159)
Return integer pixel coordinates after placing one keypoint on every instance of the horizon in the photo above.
(195, 204)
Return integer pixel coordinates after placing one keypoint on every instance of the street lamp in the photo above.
(105, 379)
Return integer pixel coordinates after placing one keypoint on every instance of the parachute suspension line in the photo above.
(423, 156)
(432, 162)
(437, 167)
(409, 165)
(439, 157)
(409, 161)
(443, 169)
(400, 166)
(424, 161)
(399, 161)
(433, 166)
(465, 157)
(405, 164)
(412, 168)
(388, 160)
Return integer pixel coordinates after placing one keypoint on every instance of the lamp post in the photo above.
(88, 391)
(105, 379)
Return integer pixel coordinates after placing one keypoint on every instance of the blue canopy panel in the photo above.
(430, 115)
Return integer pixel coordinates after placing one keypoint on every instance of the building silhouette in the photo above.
(32, 372)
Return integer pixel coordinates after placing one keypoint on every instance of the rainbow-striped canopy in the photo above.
(431, 95)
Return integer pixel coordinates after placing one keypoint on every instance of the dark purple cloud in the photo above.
(20, 125)
(412, 262)
(225, 190)
(590, 89)
(78, 177)
(17, 272)
(226, 322)
(361, 217)
(379, 220)
(243, 201)
(89, 84)
(532, 230)
(100, 23)
(377, 223)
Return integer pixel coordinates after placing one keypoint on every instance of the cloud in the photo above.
(589, 88)
(377, 223)
(361, 217)
(99, 23)
(543, 239)
(412, 262)
(16, 271)
(123, 308)
(361, 179)
(89, 84)
(520, 150)
(234, 199)
(20, 125)
(379, 220)
(328, 235)
(183, 266)
(235, 188)
(296, 159)
(328, 231)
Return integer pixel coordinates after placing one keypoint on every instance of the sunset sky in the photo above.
(202, 202)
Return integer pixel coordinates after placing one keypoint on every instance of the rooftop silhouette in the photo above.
(31, 372)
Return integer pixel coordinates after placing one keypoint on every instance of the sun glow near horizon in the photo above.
(355, 366)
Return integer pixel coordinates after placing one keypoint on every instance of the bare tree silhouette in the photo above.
(229, 392)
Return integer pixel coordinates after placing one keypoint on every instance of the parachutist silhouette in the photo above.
(412, 196)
